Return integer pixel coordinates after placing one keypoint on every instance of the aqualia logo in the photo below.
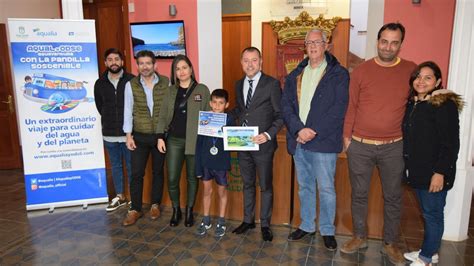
(34, 184)
(44, 33)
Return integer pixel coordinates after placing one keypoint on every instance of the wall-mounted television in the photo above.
(164, 38)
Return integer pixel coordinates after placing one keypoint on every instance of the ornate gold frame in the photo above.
(296, 29)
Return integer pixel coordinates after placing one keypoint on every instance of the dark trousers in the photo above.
(251, 163)
(432, 207)
(146, 144)
(174, 160)
(388, 158)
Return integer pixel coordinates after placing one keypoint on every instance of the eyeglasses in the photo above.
(317, 42)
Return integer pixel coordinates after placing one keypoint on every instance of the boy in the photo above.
(212, 162)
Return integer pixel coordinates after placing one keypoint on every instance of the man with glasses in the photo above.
(313, 105)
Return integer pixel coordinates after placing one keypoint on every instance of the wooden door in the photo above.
(235, 37)
(112, 28)
(9, 142)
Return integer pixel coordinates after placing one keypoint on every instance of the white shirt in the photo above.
(255, 79)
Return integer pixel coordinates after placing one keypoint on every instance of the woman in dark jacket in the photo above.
(179, 117)
(431, 146)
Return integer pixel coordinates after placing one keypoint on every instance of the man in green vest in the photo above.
(143, 99)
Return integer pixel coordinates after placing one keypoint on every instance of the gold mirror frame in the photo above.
(296, 29)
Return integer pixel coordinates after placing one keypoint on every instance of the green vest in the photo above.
(143, 122)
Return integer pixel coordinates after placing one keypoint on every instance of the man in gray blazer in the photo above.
(257, 104)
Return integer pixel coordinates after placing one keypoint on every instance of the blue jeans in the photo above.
(117, 153)
(432, 207)
(316, 169)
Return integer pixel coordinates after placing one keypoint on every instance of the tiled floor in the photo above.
(72, 236)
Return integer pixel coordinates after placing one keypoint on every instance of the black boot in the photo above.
(189, 217)
(176, 217)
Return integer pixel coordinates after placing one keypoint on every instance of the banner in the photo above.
(55, 66)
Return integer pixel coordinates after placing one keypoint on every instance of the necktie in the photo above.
(249, 94)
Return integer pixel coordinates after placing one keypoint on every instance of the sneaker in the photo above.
(115, 204)
(393, 253)
(353, 245)
(413, 256)
(220, 230)
(419, 262)
(203, 228)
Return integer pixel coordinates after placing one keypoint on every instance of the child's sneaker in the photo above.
(202, 228)
(220, 230)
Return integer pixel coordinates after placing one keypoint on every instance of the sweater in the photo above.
(377, 100)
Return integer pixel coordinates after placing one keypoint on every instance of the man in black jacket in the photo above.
(108, 92)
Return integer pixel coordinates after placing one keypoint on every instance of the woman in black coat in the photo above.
(431, 146)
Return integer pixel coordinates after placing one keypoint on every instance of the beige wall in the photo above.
(28, 9)
(261, 13)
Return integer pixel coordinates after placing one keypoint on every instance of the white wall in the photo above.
(358, 32)
(460, 79)
(374, 23)
(210, 42)
(261, 13)
(28, 9)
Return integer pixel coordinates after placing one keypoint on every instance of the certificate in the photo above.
(210, 124)
(240, 138)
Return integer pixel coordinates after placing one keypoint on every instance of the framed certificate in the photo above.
(240, 138)
(210, 124)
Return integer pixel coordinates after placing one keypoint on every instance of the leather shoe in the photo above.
(189, 217)
(243, 227)
(330, 243)
(132, 217)
(267, 234)
(155, 211)
(175, 217)
(299, 234)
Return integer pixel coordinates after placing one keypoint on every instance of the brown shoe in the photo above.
(394, 254)
(155, 211)
(132, 217)
(353, 245)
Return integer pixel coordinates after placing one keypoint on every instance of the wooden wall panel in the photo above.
(282, 169)
(235, 37)
(343, 202)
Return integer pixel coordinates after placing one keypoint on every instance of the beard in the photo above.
(387, 57)
(116, 70)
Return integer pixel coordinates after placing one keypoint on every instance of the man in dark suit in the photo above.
(257, 104)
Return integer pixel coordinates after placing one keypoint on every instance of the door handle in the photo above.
(10, 104)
